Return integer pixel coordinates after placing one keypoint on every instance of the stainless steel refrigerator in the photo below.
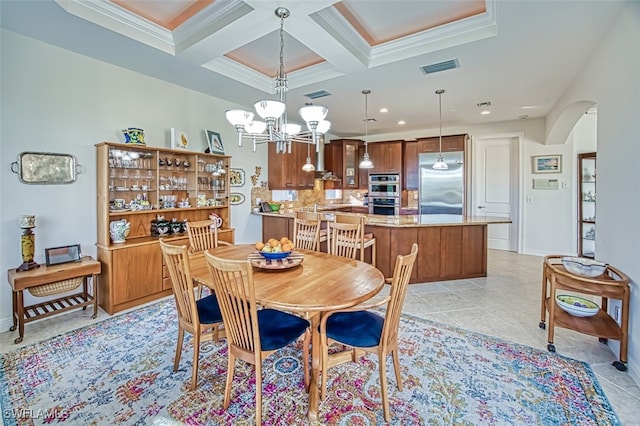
(441, 191)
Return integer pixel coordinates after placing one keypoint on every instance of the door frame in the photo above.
(518, 191)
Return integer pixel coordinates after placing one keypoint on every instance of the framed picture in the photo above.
(65, 254)
(236, 198)
(214, 140)
(236, 177)
(546, 163)
(179, 139)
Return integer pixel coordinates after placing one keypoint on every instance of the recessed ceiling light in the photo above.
(384, 110)
(485, 112)
(529, 107)
(402, 122)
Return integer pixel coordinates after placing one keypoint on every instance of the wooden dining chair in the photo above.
(366, 331)
(252, 334)
(307, 234)
(203, 235)
(343, 239)
(202, 318)
(366, 239)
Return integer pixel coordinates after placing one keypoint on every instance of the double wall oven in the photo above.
(384, 193)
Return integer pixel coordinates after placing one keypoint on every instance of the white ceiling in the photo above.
(519, 55)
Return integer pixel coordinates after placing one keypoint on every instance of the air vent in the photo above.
(318, 94)
(440, 66)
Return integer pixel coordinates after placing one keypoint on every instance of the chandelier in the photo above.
(440, 164)
(275, 128)
(366, 162)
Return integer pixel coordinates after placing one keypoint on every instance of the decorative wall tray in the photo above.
(293, 260)
(45, 168)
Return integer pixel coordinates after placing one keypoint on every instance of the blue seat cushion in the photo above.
(361, 329)
(278, 329)
(209, 310)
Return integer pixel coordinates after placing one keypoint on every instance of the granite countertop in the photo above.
(328, 213)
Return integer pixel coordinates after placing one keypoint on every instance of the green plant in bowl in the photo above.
(275, 206)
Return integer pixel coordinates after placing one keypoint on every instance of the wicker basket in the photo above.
(55, 288)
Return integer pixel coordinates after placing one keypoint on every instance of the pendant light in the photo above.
(440, 164)
(366, 162)
(308, 167)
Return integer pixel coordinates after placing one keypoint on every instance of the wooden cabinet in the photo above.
(410, 165)
(341, 156)
(277, 227)
(151, 182)
(386, 156)
(587, 204)
(285, 169)
(449, 143)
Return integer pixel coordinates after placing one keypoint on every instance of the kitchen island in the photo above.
(450, 246)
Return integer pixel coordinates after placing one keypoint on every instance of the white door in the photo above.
(495, 187)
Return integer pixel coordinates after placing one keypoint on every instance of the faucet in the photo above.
(315, 207)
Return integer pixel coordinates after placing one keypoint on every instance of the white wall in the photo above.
(54, 100)
(610, 78)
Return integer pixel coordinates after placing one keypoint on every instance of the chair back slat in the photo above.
(399, 284)
(344, 239)
(203, 235)
(176, 259)
(306, 231)
(234, 288)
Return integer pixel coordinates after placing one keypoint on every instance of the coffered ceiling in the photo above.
(519, 56)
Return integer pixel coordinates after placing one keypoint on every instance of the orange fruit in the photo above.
(259, 245)
(273, 242)
(283, 240)
(287, 247)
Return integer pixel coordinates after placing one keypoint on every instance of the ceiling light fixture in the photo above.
(440, 164)
(274, 113)
(366, 162)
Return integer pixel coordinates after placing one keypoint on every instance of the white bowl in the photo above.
(583, 266)
(577, 306)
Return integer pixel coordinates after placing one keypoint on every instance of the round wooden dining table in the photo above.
(320, 282)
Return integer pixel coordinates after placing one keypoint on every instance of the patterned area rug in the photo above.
(119, 371)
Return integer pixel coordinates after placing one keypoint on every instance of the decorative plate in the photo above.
(236, 198)
(292, 259)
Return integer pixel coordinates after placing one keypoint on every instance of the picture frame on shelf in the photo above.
(64, 254)
(179, 139)
(546, 163)
(236, 177)
(214, 142)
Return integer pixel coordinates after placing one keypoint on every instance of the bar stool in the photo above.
(364, 239)
(307, 234)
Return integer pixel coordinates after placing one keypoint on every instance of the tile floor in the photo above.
(505, 304)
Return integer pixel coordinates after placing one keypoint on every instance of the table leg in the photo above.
(14, 305)
(315, 368)
(19, 308)
(94, 282)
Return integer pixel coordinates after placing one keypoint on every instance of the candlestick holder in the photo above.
(27, 242)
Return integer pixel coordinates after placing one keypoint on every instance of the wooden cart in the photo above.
(611, 284)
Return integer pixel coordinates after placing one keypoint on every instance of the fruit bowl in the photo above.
(275, 206)
(577, 306)
(275, 255)
(583, 266)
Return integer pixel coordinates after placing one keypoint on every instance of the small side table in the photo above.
(49, 280)
(611, 284)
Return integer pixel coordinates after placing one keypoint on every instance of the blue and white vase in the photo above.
(119, 230)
